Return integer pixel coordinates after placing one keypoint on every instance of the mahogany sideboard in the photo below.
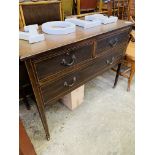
(63, 63)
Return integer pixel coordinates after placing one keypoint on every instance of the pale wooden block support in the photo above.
(74, 99)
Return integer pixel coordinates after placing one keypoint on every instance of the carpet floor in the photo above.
(102, 125)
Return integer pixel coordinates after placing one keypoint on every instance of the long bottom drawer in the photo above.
(59, 88)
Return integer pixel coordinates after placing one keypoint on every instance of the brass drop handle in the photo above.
(70, 85)
(65, 63)
(110, 62)
(113, 42)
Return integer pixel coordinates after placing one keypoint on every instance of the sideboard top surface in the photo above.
(27, 50)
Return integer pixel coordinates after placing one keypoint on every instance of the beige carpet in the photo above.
(102, 125)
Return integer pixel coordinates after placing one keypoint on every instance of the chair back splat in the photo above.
(40, 12)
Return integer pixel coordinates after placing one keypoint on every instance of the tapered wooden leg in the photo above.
(39, 100)
(44, 121)
(117, 75)
(131, 75)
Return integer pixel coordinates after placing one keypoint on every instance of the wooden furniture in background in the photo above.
(105, 7)
(121, 9)
(84, 6)
(25, 145)
(125, 10)
(40, 12)
(21, 24)
(128, 64)
(131, 15)
(62, 63)
(67, 7)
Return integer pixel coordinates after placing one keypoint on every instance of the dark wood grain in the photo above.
(106, 42)
(54, 89)
(64, 60)
(41, 13)
(95, 51)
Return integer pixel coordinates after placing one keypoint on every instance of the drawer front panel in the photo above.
(105, 43)
(64, 60)
(70, 82)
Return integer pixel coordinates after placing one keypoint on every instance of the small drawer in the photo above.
(66, 84)
(64, 60)
(111, 41)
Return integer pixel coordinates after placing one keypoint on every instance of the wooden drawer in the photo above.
(68, 83)
(64, 60)
(111, 41)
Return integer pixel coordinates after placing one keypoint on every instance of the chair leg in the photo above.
(26, 103)
(132, 39)
(117, 75)
(25, 99)
(131, 75)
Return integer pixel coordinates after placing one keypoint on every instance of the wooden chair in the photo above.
(67, 7)
(131, 9)
(105, 6)
(125, 10)
(120, 8)
(85, 6)
(40, 12)
(127, 68)
(131, 15)
(21, 23)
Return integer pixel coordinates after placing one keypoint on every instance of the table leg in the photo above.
(39, 100)
(117, 75)
(131, 75)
